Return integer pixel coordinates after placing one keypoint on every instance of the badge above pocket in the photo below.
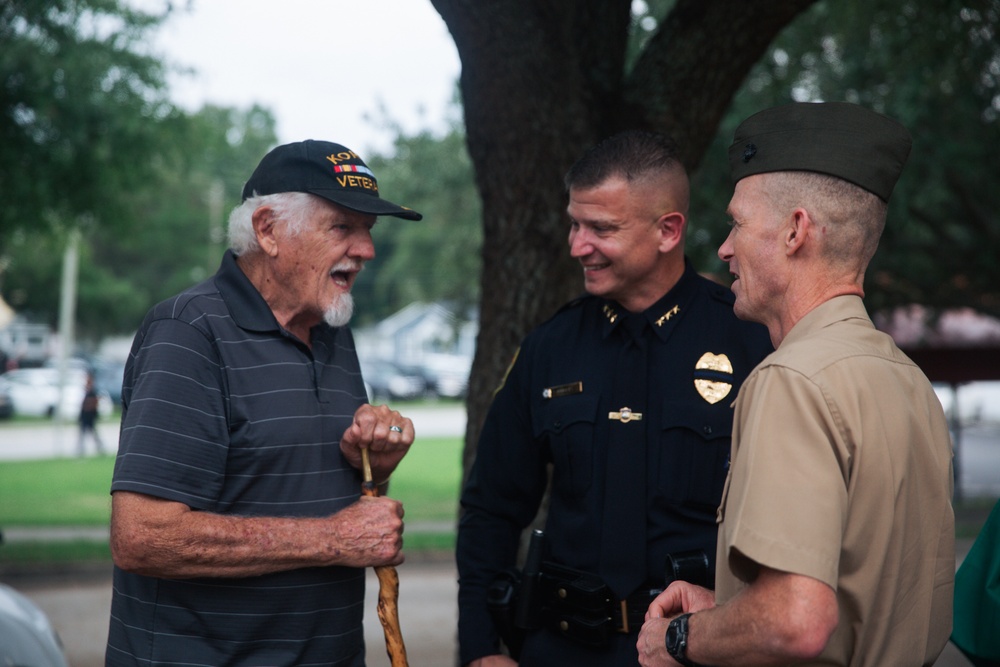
(713, 377)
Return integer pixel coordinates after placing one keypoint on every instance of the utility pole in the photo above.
(216, 192)
(67, 315)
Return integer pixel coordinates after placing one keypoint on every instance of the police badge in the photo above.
(713, 377)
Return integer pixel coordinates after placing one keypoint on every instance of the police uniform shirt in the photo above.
(556, 406)
(841, 471)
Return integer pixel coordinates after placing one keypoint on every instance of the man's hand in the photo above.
(384, 432)
(680, 597)
(369, 533)
(652, 644)
(493, 661)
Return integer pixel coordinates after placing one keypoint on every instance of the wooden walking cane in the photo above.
(388, 586)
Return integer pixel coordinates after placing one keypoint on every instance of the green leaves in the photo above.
(76, 92)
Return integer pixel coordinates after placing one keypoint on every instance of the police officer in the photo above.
(625, 395)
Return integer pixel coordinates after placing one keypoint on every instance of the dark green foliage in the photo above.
(76, 104)
(438, 258)
(936, 68)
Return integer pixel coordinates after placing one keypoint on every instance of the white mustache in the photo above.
(348, 266)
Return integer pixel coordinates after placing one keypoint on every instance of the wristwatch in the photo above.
(677, 640)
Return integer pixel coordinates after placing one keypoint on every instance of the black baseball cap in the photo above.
(834, 138)
(325, 169)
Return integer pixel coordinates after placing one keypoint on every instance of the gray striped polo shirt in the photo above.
(227, 413)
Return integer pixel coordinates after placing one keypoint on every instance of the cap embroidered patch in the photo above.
(327, 170)
(351, 167)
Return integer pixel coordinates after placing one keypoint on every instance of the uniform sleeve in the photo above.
(174, 436)
(500, 499)
(787, 498)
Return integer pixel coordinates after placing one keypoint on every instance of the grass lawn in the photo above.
(75, 492)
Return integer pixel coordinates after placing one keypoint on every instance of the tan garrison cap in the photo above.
(834, 138)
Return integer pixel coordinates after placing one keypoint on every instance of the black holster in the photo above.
(512, 598)
(501, 600)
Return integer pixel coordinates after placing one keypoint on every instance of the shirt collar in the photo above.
(837, 309)
(246, 306)
(662, 315)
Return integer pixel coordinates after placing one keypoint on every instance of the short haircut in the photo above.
(855, 217)
(632, 155)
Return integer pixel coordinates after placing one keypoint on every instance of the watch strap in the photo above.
(677, 640)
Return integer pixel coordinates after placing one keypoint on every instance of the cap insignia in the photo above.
(749, 152)
(342, 156)
(353, 167)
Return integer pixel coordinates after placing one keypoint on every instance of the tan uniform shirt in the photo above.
(842, 471)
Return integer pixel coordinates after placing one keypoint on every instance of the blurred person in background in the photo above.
(88, 417)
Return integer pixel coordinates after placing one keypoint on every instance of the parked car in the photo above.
(387, 381)
(447, 375)
(35, 392)
(108, 377)
(26, 635)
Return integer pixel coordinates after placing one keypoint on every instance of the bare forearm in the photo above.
(779, 619)
(162, 539)
(732, 639)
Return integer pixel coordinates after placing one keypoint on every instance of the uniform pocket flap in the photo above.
(707, 420)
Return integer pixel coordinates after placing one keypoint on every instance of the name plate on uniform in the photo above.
(563, 390)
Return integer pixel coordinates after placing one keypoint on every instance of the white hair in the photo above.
(295, 209)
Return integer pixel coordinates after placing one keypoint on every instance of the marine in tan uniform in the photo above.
(836, 542)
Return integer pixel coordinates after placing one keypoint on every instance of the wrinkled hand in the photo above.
(680, 597)
(369, 532)
(493, 661)
(371, 429)
(651, 645)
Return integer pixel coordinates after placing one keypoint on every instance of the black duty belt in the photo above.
(579, 606)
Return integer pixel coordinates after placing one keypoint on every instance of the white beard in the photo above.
(339, 312)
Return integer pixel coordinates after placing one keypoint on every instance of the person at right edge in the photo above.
(625, 394)
(836, 534)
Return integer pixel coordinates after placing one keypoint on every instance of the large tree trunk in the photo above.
(542, 80)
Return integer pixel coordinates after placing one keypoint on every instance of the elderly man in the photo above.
(836, 535)
(237, 529)
(623, 395)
